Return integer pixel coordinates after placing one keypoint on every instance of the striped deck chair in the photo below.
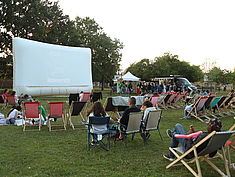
(216, 141)
(163, 103)
(31, 115)
(178, 98)
(207, 106)
(154, 100)
(225, 106)
(218, 106)
(171, 100)
(198, 105)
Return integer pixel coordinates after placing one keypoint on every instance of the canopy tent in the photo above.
(130, 77)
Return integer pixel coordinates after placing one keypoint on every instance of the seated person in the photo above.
(178, 136)
(14, 114)
(146, 107)
(97, 110)
(43, 112)
(132, 108)
(4, 95)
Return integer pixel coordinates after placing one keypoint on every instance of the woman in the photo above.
(147, 107)
(179, 136)
(14, 114)
(97, 110)
(5, 95)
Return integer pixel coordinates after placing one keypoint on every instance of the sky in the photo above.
(195, 30)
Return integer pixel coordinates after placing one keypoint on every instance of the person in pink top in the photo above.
(5, 94)
(179, 137)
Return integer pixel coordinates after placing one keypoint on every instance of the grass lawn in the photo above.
(64, 153)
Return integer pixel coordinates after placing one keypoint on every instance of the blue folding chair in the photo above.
(98, 137)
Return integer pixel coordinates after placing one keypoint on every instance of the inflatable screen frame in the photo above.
(48, 69)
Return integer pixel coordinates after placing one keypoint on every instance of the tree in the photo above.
(165, 65)
(106, 52)
(141, 69)
(220, 76)
(39, 20)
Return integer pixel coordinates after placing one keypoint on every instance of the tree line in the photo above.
(169, 64)
(44, 21)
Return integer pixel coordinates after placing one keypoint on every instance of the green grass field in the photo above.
(64, 153)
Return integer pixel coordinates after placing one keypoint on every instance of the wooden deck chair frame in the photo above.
(133, 125)
(171, 101)
(96, 96)
(213, 137)
(30, 113)
(163, 103)
(76, 109)
(195, 109)
(105, 134)
(225, 106)
(153, 122)
(56, 110)
(178, 98)
(218, 106)
(230, 146)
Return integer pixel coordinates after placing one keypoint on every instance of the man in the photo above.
(179, 136)
(132, 108)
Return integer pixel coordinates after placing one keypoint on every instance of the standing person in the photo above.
(14, 114)
(178, 136)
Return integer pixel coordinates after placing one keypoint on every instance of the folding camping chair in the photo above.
(56, 111)
(100, 138)
(76, 109)
(133, 125)
(31, 115)
(152, 123)
(216, 142)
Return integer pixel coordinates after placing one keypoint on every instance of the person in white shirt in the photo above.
(14, 114)
(97, 110)
(147, 107)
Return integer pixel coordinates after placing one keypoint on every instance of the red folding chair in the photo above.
(31, 115)
(85, 97)
(11, 100)
(56, 111)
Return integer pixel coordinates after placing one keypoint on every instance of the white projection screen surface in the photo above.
(47, 69)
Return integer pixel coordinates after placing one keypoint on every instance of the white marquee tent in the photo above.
(130, 77)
